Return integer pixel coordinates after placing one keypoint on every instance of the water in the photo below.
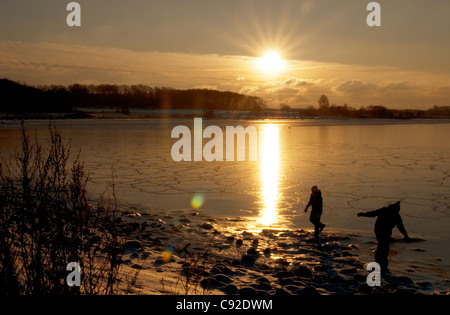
(359, 165)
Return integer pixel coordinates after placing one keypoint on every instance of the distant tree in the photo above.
(55, 98)
(285, 107)
(324, 103)
(379, 111)
(79, 94)
(439, 111)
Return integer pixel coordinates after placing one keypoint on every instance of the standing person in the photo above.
(316, 202)
(387, 218)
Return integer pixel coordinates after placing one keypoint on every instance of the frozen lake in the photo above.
(359, 165)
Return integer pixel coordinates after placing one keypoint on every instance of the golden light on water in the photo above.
(270, 173)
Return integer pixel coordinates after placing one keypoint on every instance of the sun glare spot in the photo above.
(272, 62)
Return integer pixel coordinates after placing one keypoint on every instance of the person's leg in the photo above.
(313, 219)
(316, 230)
(382, 253)
(319, 225)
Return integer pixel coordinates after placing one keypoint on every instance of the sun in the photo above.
(271, 62)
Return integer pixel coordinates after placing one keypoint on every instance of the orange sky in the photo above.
(326, 46)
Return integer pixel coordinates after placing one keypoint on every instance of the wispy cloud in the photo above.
(301, 84)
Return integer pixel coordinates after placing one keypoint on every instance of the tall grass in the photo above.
(47, 221)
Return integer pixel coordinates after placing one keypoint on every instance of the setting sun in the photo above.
(272, 62)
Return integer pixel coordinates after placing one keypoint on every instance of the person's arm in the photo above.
(401, 227)
(370, 214)
(309, 204)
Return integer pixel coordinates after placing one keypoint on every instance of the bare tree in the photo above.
(324, 103)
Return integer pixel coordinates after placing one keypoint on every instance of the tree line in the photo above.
(25, 99)
(373, 111)
(55, 98)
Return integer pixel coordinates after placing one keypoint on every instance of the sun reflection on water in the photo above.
(269, 156)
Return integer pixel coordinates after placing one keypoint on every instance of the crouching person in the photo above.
(387, 218)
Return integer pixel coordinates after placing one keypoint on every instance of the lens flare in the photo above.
(198, 200)
(167, 254)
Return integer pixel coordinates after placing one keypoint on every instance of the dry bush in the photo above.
(46, 222)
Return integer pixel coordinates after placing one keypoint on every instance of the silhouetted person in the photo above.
(316, 202)
(387, 218)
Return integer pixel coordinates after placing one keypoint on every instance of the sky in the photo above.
(324, 47)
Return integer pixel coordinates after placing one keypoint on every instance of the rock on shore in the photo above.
(185, 253)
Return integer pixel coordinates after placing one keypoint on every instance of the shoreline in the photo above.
(186, 252)
(284, 250)
(190, 114)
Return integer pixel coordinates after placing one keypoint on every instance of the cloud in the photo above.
(356, 87)
(206, 87)
(47, 63)
(393, 94)
(249, 89)
(293, 91)
(301, 86)
(397, 86)
(385, 88)
(444, 90)
(294, 82)
(289, 87)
